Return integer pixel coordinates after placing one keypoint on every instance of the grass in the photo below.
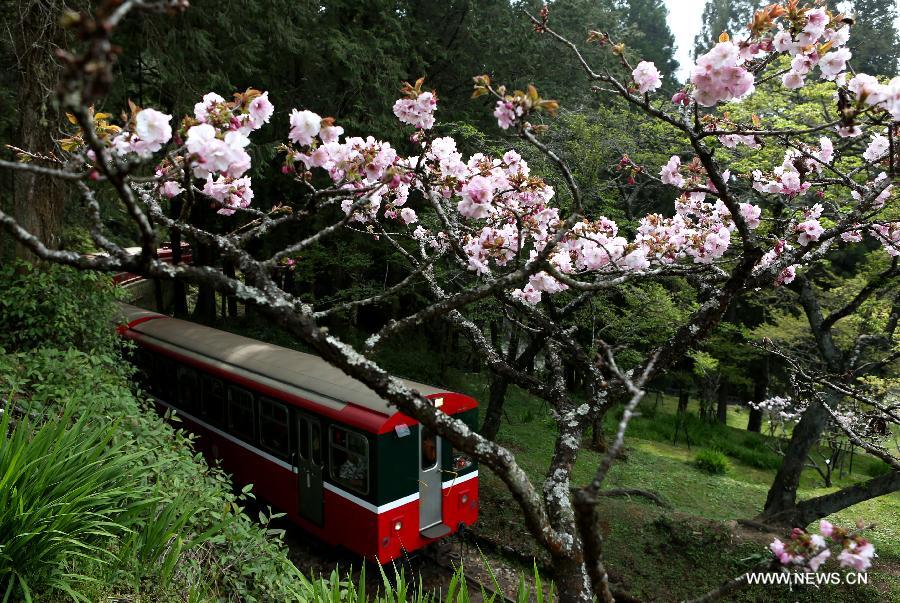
(660, 554)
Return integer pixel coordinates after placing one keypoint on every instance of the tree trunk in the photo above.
(490, 427)
(722, 404)
(812, 509)
(230, 300)
(499, 385)
(572, 581)
(203, 255)
(205, 307)
(179, 293)
(781, 502)
(760, 393)
(681, 416)
(38, 201)
(598, 437)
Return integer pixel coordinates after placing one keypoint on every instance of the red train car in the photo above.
(317, 444)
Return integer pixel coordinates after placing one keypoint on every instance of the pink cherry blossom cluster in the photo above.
(877, 149)
(810, 229)
(812, 550)
(151, 131)
(669, 173)
(786, 178)
(889, 236)
(230, 192)
(718, 75)
(216, 146)
(505, 212)
(507, 112)
(509, 212)
(418, 111)
(646, 77)
(804, 48)
(878, 201)
(869, 91)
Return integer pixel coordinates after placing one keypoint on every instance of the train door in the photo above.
(309, 468)
(430, 516)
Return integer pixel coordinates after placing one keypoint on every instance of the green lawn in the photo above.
(665, 555)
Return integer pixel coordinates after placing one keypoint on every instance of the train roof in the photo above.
(296, 373)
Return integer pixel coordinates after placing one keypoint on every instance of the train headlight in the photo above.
(464, 498)
(398, 525)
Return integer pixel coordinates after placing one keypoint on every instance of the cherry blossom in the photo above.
(833, 63)
(669, 173)
(260, 111)
(857, 555)
(808, 550)
(786, 276)
(718, 77)
(877, 148)
(476, 198)
(170, 189)
(751, 214)
(151, 131)
(208, 105)
(418, 111)
(647, 77)
(304, 126)
(889, 236)
(506, 113)
(214, 152)
(230, 192)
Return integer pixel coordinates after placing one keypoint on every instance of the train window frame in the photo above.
(166, 387)
(145, 361)
(345, 448)
(316, 455)
(308, 427)
(182, 373)
(218, 419)
(434, 443)
(281, 453)
(241, 435)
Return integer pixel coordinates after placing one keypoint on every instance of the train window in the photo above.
(143, 360)
(350, 459)
(273, 427)
(461, 461)
(316, 444)
(310, 433)
(188, 388)
(212, 400)
(240, 413)
(428, 456)
(303, 428)
(165, 385)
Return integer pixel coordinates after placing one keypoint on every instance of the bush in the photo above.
(194, 540)
(878, 468)
(66, 492)
(56, 306)
(712, 462)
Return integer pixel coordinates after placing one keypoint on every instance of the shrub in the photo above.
(878, 468)
(712, 462)
(56, 306)
(65, 491)
(195, 539)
